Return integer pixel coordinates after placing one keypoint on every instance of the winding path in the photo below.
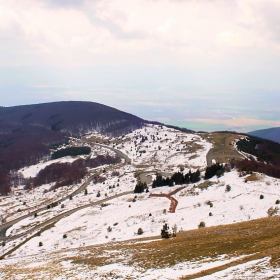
(45, 225)
(5, 226)
(221, 152)
(222, 149)
(173, 201)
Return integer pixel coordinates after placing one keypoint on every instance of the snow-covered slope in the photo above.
(92, 225)
(225, 200)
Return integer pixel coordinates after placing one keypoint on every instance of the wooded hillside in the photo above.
(28, 132)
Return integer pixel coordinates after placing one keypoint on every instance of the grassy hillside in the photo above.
(198, 252)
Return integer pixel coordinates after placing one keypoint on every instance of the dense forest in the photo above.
(73, 117)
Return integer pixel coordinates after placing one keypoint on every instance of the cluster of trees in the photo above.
(177, 178)
(68, 173)
(165, 231)
(71, 151)
(215, 169)
(143, 138)
(140, 187)
(255, 166)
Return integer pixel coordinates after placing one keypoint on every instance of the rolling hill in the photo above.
(28, 132)
(72, 117)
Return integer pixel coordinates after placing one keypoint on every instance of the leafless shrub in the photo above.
(272, 211)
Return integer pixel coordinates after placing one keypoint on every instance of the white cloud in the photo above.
(184, 53)
(64, 3)
(139, 31)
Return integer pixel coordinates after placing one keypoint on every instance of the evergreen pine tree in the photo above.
(165, 231)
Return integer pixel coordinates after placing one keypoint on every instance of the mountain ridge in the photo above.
(67, 115)
(272, 134)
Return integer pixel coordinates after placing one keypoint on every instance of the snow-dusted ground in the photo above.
(22, 202)
(60, 265)
(90, 226)
(122, 271)
(257, 269)
(192, 154)
(121, 218)
(165, 147)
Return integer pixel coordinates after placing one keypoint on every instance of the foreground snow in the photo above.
(62, 265)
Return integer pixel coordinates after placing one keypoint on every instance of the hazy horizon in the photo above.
(204, 65)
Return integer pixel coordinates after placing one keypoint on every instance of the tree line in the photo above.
(177, 178)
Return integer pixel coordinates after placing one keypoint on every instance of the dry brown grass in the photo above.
(258, 237)
(223, 139)
(192, 147)
(253, 177)
(250, 240)
(205, 185)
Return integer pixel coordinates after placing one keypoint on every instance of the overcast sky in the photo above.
(202, 64)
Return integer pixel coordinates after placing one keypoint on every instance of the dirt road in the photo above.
(174, 201)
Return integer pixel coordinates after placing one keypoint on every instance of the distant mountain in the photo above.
(270, 134)
(27, 132)
(72, 117)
